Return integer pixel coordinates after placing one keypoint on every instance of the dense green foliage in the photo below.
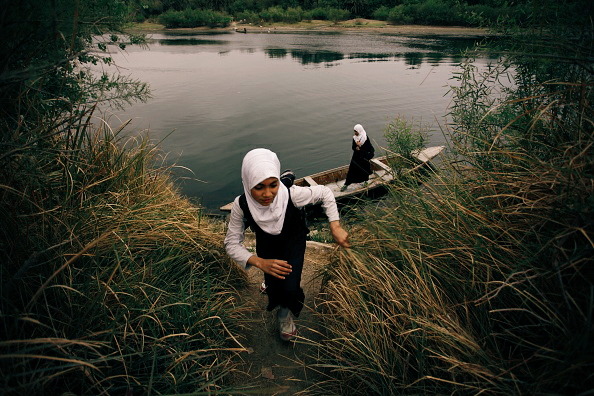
(291, 15)
(193, 18)
(425, 12)
(404, 138)
(44, 43)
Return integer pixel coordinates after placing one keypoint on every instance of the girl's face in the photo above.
(356, 133)
(265, 191)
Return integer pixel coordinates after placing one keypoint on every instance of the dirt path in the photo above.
(275, 367)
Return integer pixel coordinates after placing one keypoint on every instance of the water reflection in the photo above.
(307, 57)
(177, 33)
(277, 53)
(413, 58)
(370, 56)
(435, 58)
(315, 57)
(190, 41)
(225, 93)
(313, 48)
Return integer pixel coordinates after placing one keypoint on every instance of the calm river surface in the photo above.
(216, 96)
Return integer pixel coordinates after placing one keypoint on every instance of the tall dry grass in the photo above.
(480, 283)
(480, 280)
(112, 282)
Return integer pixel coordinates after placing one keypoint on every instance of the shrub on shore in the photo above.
(404, 137)
(190, 18)
(279, 14)
(329, 14)
(426, 12)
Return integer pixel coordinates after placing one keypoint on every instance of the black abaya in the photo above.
(360, 168)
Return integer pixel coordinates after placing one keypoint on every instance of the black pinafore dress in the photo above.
(289, 245)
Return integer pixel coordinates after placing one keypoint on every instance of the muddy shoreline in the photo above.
(350, 26)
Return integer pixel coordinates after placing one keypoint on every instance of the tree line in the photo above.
(192, 13)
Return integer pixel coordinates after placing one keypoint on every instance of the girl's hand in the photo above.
(339, 234)
(277, 268)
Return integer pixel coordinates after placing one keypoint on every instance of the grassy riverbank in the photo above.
(480, 280)
(477, 280)
(112, 282)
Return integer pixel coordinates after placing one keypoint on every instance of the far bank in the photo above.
(352, 25)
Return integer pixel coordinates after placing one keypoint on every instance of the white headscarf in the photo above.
(362, 135)
(258, 165)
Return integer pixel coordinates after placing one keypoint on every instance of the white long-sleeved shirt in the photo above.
(300, 196)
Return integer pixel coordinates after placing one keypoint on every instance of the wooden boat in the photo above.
(382, 175)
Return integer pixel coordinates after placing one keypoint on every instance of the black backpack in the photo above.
(287, 178)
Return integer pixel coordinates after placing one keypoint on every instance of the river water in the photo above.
(216, 96)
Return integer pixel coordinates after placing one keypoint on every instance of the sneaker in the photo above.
(288, 330)
(263, 288)
(287, 178)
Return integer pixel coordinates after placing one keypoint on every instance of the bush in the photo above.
(336, 15)
(482, 15)
(469, 281)
(278, 14)
(329, 3)
(430, 12)
(439, 12)
(145, 9)
(248, 17)
(329, 14)
(194, 18)
(243, 6)
(404, 138)
(382, 13)
(273, 14)
(307, 16)
(398, 15)
(293, 15)
(319, 13)
(110, 271)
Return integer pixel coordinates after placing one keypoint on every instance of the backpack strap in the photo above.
(248, 220)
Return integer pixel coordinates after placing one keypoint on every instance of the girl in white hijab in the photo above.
(363, 151)
(259, 165)
(272, 211)
(359, 136)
